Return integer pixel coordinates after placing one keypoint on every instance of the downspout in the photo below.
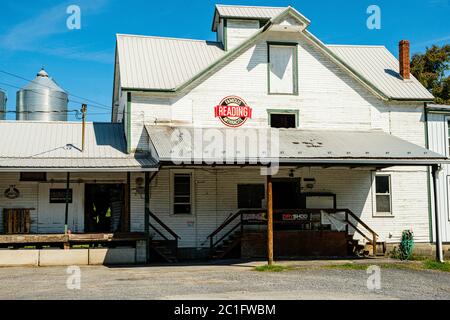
(430, 205)
(439, 256)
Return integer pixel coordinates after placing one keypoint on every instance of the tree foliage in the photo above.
(432, 70)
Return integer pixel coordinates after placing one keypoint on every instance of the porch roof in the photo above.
(289, 146)
(56, 146)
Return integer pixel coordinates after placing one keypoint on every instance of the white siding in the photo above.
(215, 198)
(49, 218)
(237, 31)
(438, 140)
(329, 98)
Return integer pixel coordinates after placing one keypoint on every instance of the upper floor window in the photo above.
(282, 63)
(283, 118)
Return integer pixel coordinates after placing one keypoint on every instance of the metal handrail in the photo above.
(162, 224)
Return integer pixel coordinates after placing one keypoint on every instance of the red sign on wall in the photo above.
(233, 111)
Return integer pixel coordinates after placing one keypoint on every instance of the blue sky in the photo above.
(34, 34)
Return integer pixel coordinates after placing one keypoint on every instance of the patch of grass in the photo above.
(434, 265)
(272, 268)
(422, 264)
(348, 266)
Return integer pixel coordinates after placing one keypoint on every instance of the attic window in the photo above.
(283, 73)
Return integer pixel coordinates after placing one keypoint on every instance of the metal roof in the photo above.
(43, 82)
(293, 146)
(167, 64)
(245, 12)
(378, 66)
(57, 146)
(162, 63)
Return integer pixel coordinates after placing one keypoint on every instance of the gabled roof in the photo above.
(162, 63)
(176, 63)
(381, 68)
(28, 145)
(245, 12)
(291, 146)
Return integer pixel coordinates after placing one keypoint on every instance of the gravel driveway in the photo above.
(220, 282)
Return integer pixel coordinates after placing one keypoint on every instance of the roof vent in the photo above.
(42, 73)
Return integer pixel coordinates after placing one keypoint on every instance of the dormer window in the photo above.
(283, 69)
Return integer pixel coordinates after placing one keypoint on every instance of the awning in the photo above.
(56, 146)
(189, 145)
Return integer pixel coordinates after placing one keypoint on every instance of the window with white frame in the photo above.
(182, 193)
(282, 68)
(383, 196)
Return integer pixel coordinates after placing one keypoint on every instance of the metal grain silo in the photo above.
(42, 100)
(2, 105)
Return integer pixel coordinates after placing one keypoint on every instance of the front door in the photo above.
(286, 193)
(104, 206)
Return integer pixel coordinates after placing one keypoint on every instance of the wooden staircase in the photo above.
(228, 235)
(223, 250)
(165, 248)
(355, 248)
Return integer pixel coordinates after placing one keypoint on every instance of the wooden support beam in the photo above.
(269, 221)
(147, 211)
(66, 220)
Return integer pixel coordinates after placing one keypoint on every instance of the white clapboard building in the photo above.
(214, 144)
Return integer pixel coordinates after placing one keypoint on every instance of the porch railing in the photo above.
(160, 223)
(307, 218)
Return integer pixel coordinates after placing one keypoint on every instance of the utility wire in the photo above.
(45, 94)
(93, 102)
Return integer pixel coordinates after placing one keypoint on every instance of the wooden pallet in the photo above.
(16, 221)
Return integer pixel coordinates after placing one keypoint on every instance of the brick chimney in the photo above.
(403, 57)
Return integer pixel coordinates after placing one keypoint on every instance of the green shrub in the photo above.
(406, 245)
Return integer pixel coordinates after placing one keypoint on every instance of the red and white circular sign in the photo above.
(233, 111)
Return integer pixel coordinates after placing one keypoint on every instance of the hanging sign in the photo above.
(12, 192)
(59, 196)
(233, 111)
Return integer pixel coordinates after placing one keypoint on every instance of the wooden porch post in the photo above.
(269, 221)
(66, 220)
(147, 211)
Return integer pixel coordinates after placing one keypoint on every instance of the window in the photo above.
(283, 121)
(182, 194)
(250, 196)
(282, 64)
(33, 176)
(383, 194)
